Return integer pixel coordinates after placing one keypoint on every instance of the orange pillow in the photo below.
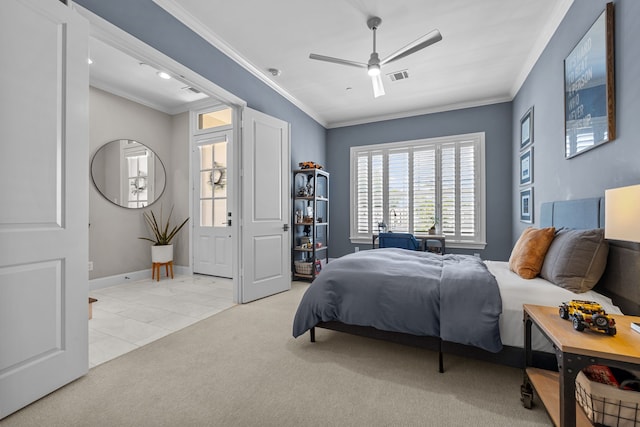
(528, 254)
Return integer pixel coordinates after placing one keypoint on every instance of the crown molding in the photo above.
(125, 42)
(203, 31)
(106, 87)
(421, 112)
(559, 12)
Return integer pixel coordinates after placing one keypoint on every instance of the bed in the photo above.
(617, 290)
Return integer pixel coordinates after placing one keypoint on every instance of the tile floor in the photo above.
(133, 314)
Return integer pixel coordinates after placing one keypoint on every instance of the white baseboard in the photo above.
(118, 279)
(183, 270)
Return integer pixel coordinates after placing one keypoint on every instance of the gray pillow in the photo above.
(576, 259)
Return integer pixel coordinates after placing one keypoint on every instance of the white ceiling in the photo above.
(116, 72)
(488, 48)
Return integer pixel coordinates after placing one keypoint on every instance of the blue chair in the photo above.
(398, 240)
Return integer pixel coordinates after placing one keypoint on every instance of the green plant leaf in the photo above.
(162, 233)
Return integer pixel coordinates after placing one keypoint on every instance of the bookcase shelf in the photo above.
(310, 221)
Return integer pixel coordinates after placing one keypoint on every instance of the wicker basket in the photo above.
(303, 267)
(608, 405)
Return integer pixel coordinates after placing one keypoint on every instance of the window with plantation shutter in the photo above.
(411, 185)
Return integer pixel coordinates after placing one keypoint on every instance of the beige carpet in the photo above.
(242, 367)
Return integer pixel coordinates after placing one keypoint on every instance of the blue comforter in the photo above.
(453, 297)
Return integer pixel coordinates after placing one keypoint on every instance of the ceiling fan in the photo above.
(374, 64)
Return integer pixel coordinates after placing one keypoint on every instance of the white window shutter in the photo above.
(377, 190)
(398, 190)
(411, 185)
(467, 188)
(362, 194)
(424, 189)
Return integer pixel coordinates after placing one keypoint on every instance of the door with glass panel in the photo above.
(212, 249)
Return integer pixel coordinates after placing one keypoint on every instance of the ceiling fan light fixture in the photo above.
(378, 88)
(373, 66)
(373, 70)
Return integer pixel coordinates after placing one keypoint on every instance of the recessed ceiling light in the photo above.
(274, 72)
(89, 61)
(163, 75)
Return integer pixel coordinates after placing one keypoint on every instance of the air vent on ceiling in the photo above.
(191, 89)
(398, 75)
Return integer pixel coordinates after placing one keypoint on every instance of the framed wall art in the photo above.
(526, 128)
(526, 205)
(526, 166)
(589, 92)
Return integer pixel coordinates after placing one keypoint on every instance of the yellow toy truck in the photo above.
(587, 314)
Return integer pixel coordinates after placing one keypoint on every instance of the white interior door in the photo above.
(44, 160)
(266, 251)
(212, 232)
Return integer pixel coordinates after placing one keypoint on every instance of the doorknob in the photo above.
(285, 227)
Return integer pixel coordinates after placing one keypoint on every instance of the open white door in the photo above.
(266, 252)
(44, 158)
(212, 249)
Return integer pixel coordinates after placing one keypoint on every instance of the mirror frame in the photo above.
(157, 158)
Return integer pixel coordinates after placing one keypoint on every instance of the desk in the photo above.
(437, 237)
(574, 351)
(424, 244)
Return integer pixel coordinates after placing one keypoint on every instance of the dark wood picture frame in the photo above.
(526, 205)
(526, 128)
(589, 88)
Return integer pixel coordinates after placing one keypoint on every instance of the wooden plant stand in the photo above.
(155, 269)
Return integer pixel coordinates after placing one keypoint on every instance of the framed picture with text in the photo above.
(589, 92)
(526, 166)
(526, 205)
(526, 128)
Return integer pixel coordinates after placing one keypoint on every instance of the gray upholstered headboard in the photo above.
(621, 279)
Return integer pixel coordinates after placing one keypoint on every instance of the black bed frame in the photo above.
(619, 282)
(509, 356)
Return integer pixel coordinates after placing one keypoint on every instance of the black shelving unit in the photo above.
(310, 251)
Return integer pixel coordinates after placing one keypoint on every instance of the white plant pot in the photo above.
(161, 254)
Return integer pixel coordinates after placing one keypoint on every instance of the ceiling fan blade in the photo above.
(338, 60)
(378, 88)
(424, 41)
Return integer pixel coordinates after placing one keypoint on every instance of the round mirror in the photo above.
(128, 173)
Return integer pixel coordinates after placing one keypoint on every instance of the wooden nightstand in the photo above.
(574, 351)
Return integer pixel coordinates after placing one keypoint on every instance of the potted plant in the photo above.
(433, 229)
(162, 249)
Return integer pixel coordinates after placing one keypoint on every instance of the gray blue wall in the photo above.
(589, 174)
(610, 165)
(151, 24)
(494, 120)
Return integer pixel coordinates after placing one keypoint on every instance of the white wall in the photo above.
(178, 180)
(114, 246)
